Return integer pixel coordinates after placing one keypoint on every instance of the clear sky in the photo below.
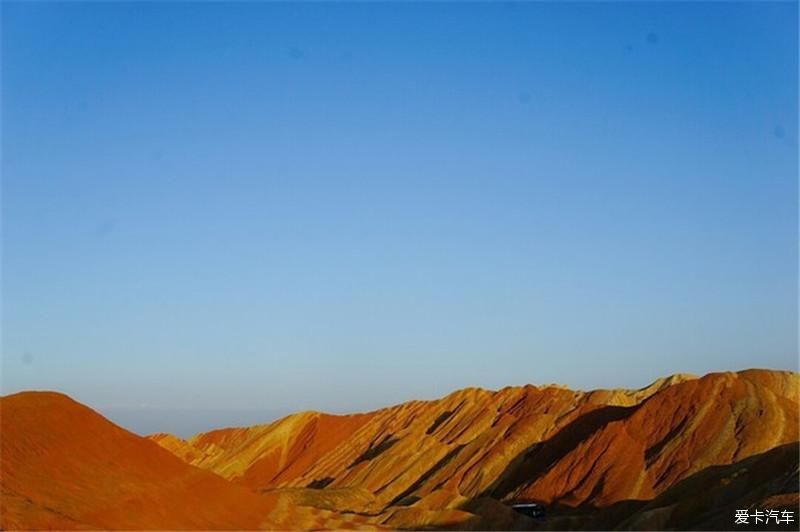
(260, 208)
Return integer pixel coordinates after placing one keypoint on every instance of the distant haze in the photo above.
(259, 208)
(185, 422)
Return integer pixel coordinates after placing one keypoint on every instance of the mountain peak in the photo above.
(460, 460)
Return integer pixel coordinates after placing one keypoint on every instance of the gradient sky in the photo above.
(249, 209)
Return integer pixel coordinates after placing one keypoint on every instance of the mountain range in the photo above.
(683, 453)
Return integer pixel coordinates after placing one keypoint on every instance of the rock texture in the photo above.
(683, 452)
(65, 466)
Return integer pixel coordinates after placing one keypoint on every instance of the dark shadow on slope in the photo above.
(375, 450)
(538, 458)
(653, 451)
(320, 483)
(706, 500)
(444, 416)
(424, 478)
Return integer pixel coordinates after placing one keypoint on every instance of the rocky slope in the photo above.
(564, 448)
(66, 467)
(681, 453)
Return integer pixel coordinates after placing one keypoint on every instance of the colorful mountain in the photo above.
(684, 452)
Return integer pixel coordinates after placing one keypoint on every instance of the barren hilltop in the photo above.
(684, 452)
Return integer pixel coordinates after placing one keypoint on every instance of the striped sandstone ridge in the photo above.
(65, 466)
(681, 453)
(550, 444)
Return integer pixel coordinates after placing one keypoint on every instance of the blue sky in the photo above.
(263, 208)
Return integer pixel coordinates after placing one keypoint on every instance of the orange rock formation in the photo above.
(601, 459)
